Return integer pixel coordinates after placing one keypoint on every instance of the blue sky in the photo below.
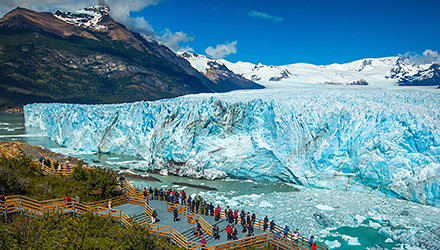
(319, 32)
(276, 32)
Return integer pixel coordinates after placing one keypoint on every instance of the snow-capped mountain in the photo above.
(371, 71)
(87, 18)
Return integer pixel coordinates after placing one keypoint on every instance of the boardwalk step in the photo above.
(142, 218)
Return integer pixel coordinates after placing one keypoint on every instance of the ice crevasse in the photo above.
(369, 140)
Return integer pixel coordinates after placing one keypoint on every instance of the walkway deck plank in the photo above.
(166, 218)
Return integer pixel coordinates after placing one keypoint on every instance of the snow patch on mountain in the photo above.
(87, 18)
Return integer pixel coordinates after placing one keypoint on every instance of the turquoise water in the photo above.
(350, 214)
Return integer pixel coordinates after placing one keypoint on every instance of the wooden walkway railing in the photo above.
(303, 242)
(28, 206)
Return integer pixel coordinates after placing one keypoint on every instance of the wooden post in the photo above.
(21, 207)
(6, 210)
(120, 217)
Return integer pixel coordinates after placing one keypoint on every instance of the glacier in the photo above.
(378, 140)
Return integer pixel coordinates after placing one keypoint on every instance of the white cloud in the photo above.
(256, 14)
(428, 57)
(222, 50)
(119, 10)
(173, 41)
(44, 5)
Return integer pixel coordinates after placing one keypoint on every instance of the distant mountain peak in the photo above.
(88, 17)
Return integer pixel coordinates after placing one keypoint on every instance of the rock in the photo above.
(136, 176)
(194, 186)
(436, 231)
(322, 219)
(404, 213)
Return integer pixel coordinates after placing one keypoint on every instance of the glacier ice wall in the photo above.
(375, 140)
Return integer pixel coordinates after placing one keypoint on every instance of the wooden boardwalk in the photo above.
(131, 208)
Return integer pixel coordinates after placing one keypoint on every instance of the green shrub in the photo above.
(66, 232)
(22, 176)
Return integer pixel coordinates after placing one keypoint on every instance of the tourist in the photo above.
(228, 231)
(175, 215)
(67, 199)
(77, 200)
(211, 209)
(286, 232)
(145, 193)
(296, 236)
(242, 217)
(156, 194)
(313, 246)
(227, 212)
(110, 205)
(197, 206)
(150, 191)
(234, 233)
(198, 228)
(272, 226)
(230, 216)
(248, 218)
(244, 226)
(250, 230)
(193, 205)
(202, 208)
(122, 180)
(189, 201)
(236, 216)
(161, 194)
(154, 216)
(203, 241)
(217, 213)
(265, 221)
(206, 208)
(312, 241)
(253, 218)
(215, 232)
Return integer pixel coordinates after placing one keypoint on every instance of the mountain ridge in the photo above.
(386, 71)
(46, 59)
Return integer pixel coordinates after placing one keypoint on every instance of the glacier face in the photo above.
(384, 141)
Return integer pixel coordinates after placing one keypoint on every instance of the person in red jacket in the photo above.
(203, 241)
(67, 198)
(236, 216)
(229, 231)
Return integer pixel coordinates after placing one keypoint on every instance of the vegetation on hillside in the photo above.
(66, 232)
(22, 176)
(42, 67)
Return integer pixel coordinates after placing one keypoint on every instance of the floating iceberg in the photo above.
(384, 141)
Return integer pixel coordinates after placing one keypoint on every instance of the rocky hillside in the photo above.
(86, 57)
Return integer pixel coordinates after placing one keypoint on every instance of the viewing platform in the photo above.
(132, 208)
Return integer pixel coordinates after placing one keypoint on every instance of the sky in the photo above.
(277, 32)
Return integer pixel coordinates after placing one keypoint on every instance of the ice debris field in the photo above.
(382, 141)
